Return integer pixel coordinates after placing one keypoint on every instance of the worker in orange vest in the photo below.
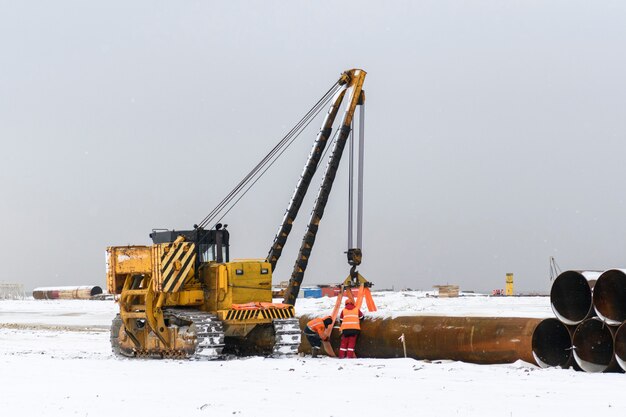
(315, 332)
(350, 328)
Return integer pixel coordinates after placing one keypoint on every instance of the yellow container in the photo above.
(509, 284)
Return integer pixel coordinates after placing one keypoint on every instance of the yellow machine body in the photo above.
(147, 280)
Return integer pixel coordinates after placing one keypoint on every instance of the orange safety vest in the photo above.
(350, 319)
(317, 325)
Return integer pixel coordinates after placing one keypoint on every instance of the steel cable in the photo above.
(270, 158)
(275, 159)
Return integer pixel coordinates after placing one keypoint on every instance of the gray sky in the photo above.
(495, 133)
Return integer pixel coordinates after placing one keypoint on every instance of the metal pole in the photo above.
(351, 186)
(359, 218)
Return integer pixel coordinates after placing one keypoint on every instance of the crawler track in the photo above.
(287, 337)
(208, 333)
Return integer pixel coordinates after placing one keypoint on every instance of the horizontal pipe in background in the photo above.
(66, 293)
(482, 340)
(594, 347)
(571, 296)
(609, 296)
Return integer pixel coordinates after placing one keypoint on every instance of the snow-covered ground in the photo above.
(55, 361)
(409, 303)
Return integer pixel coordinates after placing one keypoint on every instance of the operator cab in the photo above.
(212, 245)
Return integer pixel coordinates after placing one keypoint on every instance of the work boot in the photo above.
(314, 351)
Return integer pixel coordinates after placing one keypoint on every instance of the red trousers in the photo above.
(346, 350)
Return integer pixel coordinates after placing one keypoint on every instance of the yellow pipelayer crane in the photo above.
(182, 296)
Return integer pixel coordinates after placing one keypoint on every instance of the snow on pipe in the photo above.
(482, 340)
(571, 296)
(620, 346)
(609, 296)
(594, 346)
(66, 293)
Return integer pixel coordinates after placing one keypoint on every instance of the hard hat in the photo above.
(348, 302)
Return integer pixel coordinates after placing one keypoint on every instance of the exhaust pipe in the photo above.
(593, 346)
(552, 344)
(482, 340)
(620, 346)
(609, 296)
(571, 296)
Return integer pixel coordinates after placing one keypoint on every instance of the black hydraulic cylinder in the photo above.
(308, 241)
(305, 180)
(318, 211)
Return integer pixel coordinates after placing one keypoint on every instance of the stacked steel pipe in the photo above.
(588, 332)
(591, 307)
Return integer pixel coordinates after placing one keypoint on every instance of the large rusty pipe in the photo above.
(594, 347)
(552, 344)
(483, 340)
(609, 296)
(571, 296)
(620, 346)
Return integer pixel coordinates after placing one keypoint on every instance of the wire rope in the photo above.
(269, 159)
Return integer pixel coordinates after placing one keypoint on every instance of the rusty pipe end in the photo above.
(570, 296)
(609, 296)
(552, 344)
(620, 346)
(593, 346)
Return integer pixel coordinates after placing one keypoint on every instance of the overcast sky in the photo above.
(495, 130)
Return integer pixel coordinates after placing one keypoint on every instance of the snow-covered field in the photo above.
(55, 361)
(408, 303)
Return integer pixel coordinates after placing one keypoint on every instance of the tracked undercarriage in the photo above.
(201, 336)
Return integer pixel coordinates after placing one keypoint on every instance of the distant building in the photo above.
(447, 291)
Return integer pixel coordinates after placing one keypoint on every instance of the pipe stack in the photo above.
(591, 306)
(588, 332)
